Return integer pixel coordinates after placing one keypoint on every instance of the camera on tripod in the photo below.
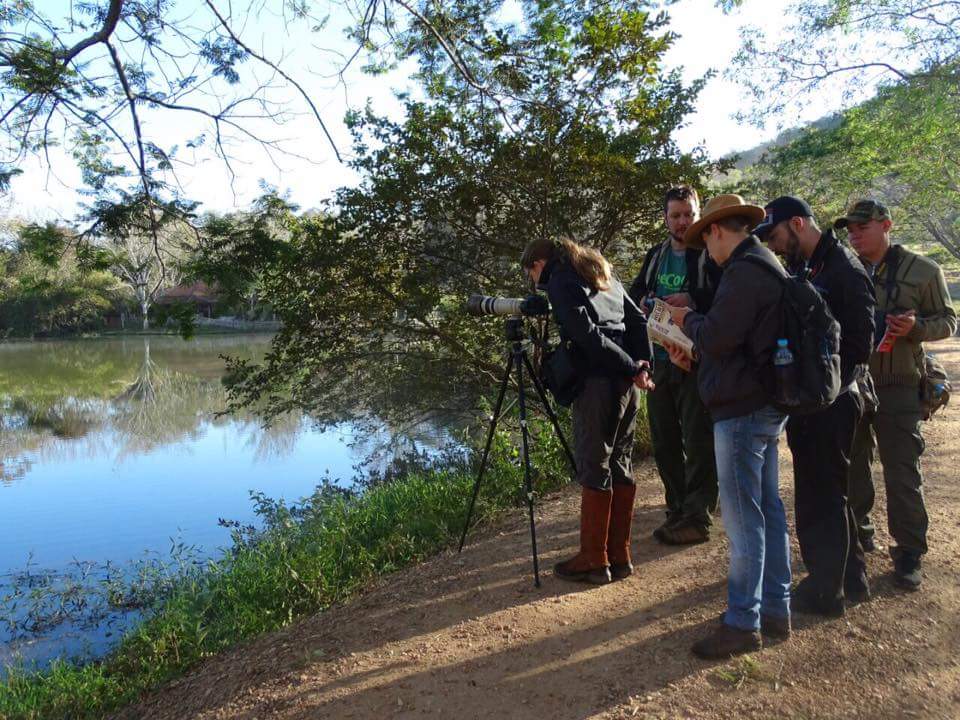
(531, 306)
(515, 309)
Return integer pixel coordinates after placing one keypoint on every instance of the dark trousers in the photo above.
(682, 435)
(604, 421)
(821, 445)
(894, 431)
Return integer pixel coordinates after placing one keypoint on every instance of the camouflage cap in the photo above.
(863, 211)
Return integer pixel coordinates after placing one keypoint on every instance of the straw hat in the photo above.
(720, 207)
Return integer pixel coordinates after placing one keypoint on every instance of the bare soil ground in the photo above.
(470, 637)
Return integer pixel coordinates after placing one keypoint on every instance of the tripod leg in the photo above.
(486, 450)
(526, 466)
(552, 415)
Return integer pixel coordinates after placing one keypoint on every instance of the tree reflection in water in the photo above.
(100, 397)
(66, 402)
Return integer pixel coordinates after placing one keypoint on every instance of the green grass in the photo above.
(306, 558)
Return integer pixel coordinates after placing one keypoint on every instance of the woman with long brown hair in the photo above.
(606, 334)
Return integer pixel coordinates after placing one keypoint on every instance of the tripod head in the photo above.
(514, 330)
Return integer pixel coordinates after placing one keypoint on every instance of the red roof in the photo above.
(197, 292)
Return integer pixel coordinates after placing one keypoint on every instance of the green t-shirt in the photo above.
(671, 278)
(672, 274)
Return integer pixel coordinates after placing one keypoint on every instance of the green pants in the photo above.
(894, 429)
(682, 435)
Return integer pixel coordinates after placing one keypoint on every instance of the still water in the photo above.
(111, 451)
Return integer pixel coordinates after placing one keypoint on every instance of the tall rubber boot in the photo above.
(618, 540)
(590, 565)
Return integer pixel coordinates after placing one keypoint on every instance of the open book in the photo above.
(661, 328)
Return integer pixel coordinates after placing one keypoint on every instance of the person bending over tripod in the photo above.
(605, 333)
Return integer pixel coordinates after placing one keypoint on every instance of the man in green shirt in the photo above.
(913, 307)
(680, 426)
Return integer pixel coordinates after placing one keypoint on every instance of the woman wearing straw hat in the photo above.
(735, 338)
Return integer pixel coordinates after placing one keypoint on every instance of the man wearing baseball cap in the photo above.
(821, 443)
(913, 307)
(735, 337)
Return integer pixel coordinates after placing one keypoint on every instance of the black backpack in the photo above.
(813, 336)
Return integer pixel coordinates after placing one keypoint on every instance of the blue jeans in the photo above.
(753, 516)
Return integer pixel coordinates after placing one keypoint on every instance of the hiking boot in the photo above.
(857, 596)
(658, 533)
(618, 539)
(685, 532)
(590, 565)
(727, 641)
(775, 627)
(771, 626)
(906, 571)
(857, 590)
(806, 600)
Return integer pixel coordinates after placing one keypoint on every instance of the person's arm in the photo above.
(856, 338)
(936, 318)
(570, 308)
(703, 293)
(635, 335)
(731, 317)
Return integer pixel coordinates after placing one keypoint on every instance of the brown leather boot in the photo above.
(727, 641)
(618, 541)
(590, 564)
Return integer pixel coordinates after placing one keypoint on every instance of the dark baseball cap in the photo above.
(863, 211)
(783, 208)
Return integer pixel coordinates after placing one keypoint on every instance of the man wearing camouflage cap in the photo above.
(913, 307)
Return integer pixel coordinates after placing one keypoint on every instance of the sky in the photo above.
(708, 39)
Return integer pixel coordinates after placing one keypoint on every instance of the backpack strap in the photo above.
(893, 260)
(701, 275)
(654, 265)
(775, 270)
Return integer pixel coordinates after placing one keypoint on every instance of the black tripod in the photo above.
(517, 359)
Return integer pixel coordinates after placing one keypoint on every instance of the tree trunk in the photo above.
(935, 229)
(145, 307)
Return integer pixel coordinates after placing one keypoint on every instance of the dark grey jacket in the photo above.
(839, 276)
(606, 326)
(738, 335)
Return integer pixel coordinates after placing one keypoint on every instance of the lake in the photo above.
(112, 452)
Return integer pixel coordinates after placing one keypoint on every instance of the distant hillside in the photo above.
(746, 158)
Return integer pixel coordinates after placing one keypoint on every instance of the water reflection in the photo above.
(112, 451)
(146, 396)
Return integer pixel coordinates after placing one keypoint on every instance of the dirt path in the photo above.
(470, 637)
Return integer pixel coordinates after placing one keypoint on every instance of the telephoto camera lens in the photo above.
(491, 305)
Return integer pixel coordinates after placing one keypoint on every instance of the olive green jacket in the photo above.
(919, 286)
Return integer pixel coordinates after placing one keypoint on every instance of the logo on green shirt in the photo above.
(672, 275)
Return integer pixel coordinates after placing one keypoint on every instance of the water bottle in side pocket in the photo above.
(785, 372)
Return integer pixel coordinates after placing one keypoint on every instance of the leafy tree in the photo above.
(903, 146)
(45, 292)
(110, 78)
(845, 47)
(574, 137)
(145, 263)
(561, 123)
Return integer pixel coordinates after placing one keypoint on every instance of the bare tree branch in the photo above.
(283, 74)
